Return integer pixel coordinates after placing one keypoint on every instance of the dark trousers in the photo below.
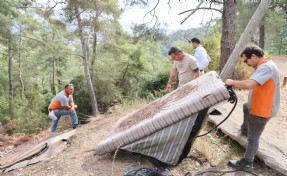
(255, 126)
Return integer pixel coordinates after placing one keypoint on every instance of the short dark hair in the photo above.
(252, 49)
(69, 84)
(174, 50)
(195, 40)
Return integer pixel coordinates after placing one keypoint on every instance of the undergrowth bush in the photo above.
(27, 114)
(106, 92)
(242, 71)
(28, 121)
(155, 87)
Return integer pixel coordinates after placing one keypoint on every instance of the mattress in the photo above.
(173, 113)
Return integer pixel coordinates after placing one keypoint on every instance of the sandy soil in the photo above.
(281, 119)
(77, 160)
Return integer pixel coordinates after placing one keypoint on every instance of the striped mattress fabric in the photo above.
(165, 145)
(186, 101)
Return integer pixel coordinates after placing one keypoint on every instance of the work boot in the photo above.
(241, 164)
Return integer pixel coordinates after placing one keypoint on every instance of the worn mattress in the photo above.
(162, 128)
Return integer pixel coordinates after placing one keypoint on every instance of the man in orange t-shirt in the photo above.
(263, 100)
(63, 104)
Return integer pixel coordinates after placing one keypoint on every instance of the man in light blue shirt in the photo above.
(200, 54)
(203, 60)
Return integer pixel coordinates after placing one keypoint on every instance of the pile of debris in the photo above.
(9, 142)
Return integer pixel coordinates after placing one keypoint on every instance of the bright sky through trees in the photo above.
(168, 14)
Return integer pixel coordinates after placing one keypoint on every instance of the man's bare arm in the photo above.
(173, 73)
(245, 84)
(72, 106)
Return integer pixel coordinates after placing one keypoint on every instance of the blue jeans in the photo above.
(255, 126)
(61, 112)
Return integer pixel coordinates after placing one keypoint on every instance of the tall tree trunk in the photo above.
(262, 36)
(54, 69)
(95, 40)
(94, 54)
(228, 38)
(20, 66)
(86, 65)
(54, 76)
(245, 38)
(11, 92)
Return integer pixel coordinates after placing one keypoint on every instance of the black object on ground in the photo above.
(215, 112)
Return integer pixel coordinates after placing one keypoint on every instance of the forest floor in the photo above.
(214, 149)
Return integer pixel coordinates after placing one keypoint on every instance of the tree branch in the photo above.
(168, 3)
(219, 2)
(201, 8)
(39, 41)
(210, 19)
(56, 3)
(152, 13)
(191, 12)
(75, 55)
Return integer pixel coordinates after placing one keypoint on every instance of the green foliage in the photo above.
(143, 64)
(47, 54)
(28, 121)
(185, 46)
(154, 33)
(242, 71)
(180, 38)
(106, 92)
(81, 97)
(274, 21)
(29, 115)
(245, 12)
(141, 3)
(4, 118)
(155, 87)
(212, 46)
(211, 43)
(277, 33)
